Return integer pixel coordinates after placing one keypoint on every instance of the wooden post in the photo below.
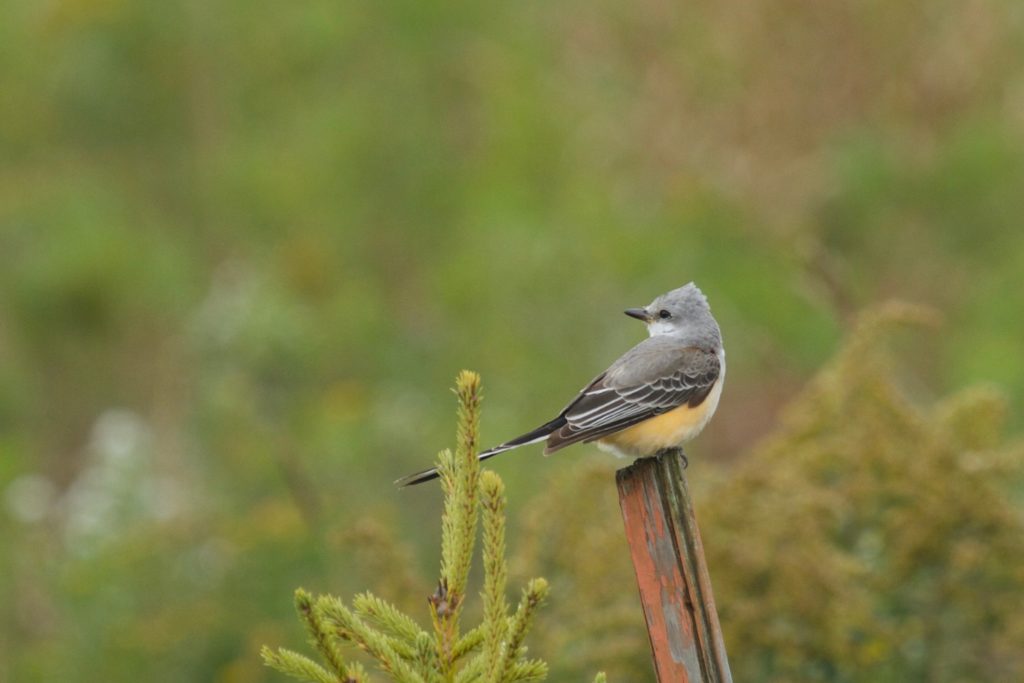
(668, 556)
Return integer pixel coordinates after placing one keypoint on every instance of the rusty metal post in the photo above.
(668, 556)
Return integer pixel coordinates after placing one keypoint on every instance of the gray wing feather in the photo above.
(654, 377)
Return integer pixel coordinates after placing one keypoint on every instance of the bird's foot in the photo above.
(675, 452)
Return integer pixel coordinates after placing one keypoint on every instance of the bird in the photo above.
(655, 397)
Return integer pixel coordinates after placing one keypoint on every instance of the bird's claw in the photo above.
(678, 452)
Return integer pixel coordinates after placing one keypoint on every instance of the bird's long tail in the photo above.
(538, 434)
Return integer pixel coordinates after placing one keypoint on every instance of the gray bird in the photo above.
(656, 396)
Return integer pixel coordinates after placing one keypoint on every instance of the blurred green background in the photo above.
(245, 247)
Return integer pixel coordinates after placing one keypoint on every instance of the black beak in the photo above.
(638, 313)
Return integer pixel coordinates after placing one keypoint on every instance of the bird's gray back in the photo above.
(662, 356)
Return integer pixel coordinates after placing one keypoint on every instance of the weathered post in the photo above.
(671, 572)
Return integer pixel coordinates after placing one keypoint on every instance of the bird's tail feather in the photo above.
(538, 434)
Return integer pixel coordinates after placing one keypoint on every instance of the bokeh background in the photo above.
(246, 246)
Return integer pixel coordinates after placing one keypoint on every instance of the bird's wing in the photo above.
(653, 378)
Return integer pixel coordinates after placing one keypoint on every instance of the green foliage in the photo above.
(492, 652)
(264, 230)
(870, 539)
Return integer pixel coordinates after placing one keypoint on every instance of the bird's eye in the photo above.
(663, 314)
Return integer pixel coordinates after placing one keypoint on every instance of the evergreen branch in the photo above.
(467, 388)
(460, 476)
(495, 571)
(426, 658)
(467, 643)
(492, 652)
(533, 595)
(448, 471)
(380, 647)
(388, 618)
(319, 636)
(528, 670)
(297, 666)
(357, 674)
(446, 474)
(473, 672)
(440, 602)
(446, 630)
